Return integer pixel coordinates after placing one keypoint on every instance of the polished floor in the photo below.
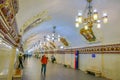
(32, 67)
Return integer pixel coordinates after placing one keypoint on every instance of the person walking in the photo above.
(20, 57)
(44, 61)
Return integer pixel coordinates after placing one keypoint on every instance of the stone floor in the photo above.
(32, 67)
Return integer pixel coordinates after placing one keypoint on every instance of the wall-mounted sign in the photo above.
(93, 55)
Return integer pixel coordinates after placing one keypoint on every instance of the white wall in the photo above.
(60, 58)
(86, 61)
(63, 59)
(68, 59)
(7, 60)
(112, 66)
(4, 59)
(5, 54)
(108, 64)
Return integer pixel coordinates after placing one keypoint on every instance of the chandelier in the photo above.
(91, 18)
(50, 41)
(54, 36)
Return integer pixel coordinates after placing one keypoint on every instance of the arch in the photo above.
(34, 21)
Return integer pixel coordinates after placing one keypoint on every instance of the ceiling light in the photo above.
(91, 17)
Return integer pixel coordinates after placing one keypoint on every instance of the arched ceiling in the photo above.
(63, 13)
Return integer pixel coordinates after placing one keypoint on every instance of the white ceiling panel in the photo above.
(63, 14)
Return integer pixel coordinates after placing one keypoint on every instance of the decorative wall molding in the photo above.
(101, 49)
(8, 24)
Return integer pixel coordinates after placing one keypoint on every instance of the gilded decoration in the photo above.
(8, 23)
(52, 44)
(35, 20)
(88, 34)
(102, 49)
(64, 41)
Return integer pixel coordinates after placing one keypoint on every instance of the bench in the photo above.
(94, 71)
(17, 74)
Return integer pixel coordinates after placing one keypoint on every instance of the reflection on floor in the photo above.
(54, 72)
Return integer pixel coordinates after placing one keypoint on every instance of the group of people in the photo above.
(44, 61)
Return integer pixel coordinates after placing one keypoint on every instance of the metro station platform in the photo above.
(32, 67)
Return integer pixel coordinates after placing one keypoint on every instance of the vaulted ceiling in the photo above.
(62, 15)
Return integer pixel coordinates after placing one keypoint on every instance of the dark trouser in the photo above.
(43, 68)
(53, 60)
(20, 64)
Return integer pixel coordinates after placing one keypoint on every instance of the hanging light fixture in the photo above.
(92, 18)
(54, 36)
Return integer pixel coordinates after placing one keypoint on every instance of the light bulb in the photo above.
(59, 39)
(86, 27)
(104, 14)
(53, 34)
(61, 47)
(98, 25)
(48, 39)
(95, 15)
(48, 36)
(80, 19)
(79, 13)
(76, 19)
(58, 36)
(105, 19)
(76, 24)
(53, 38)
(98, 21)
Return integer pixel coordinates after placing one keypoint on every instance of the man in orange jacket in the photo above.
(44, 61)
